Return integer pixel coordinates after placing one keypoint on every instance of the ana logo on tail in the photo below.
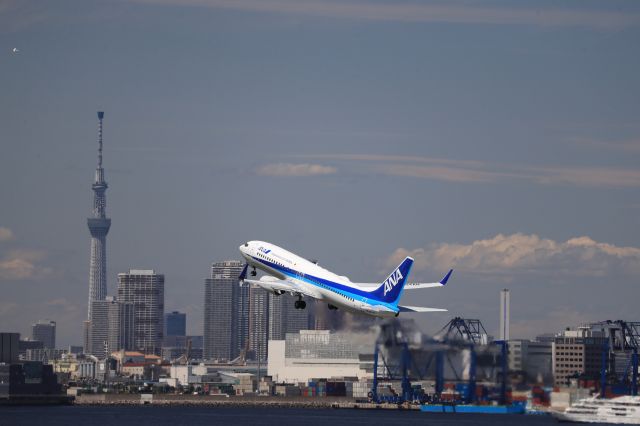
(391, 282)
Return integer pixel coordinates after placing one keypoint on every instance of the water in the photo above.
(234, 416)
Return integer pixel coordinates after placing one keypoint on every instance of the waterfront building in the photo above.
(577, 353)
(145, 290)
(44, 331)
(313, 354)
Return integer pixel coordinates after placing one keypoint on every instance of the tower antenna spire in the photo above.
(100, 117)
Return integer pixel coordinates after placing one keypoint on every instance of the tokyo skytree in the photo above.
(99, 226)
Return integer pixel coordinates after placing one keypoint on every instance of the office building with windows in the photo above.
(145, 290)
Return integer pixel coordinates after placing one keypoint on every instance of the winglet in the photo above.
(243, 274)
(446, 277)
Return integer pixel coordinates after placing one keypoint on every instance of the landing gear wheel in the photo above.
(303, 304)
(332, 307)
(253, 272)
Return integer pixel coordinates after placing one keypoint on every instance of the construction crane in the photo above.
(622, 341)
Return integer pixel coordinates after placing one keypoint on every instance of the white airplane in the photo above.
(289, 273)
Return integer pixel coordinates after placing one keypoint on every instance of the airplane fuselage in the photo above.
(308, 279)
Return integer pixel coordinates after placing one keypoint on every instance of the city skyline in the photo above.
(499, 141)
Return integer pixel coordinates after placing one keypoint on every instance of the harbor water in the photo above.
(245, 416)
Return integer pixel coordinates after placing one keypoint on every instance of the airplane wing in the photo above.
(442, 283)
(274, 286)
(420, 309)
(277, 286)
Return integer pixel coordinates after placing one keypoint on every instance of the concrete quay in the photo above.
(233, 401)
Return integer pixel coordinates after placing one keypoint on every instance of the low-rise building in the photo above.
(137, 365)
(77, 368)
(577, 353)
(317, 354)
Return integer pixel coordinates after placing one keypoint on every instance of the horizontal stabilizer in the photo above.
(442, 283)
(420, 309)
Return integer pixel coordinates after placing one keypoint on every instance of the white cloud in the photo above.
(5, 234)
(22, 265)
(445, 173)
(519, 253)
(472, 171)
(425, 12)
(287, 169)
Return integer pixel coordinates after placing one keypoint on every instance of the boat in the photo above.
(620, 410)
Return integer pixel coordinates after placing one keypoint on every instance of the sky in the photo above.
(501, 139)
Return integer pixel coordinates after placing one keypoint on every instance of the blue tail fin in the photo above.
(391, 289)
(243, 274)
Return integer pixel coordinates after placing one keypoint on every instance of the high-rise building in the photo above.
(222, 328)
(99, 226)
(505, 300)
(112, 327)
(284, 318)
(242, 323)
(86, 336)
(121, 326)
(175, 324)
(258, 322)
(44, 331)
(99, 328)
(277, 316)
(145, 290)
(9, 348)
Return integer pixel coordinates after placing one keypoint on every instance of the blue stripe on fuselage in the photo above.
(337, 287)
